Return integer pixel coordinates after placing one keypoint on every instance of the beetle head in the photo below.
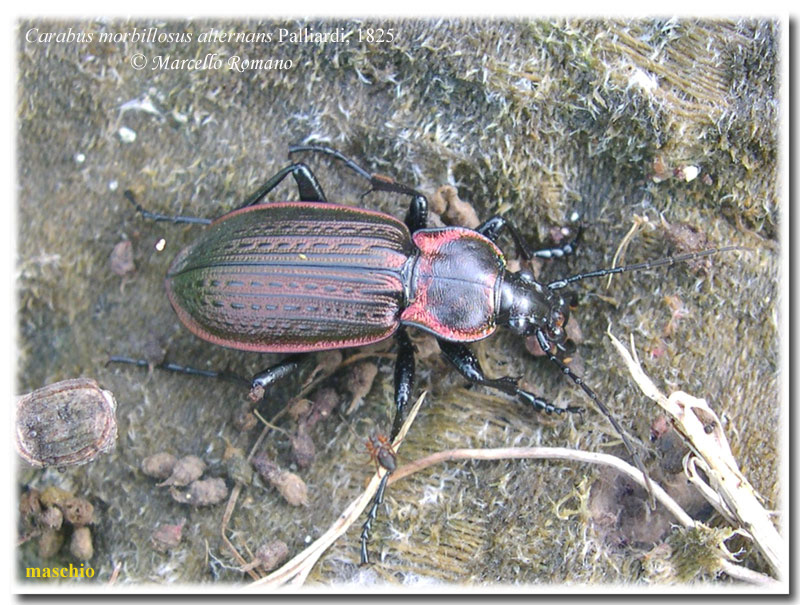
(529, 307)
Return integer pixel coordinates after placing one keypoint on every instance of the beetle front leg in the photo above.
(371, 515)
(404, 369)
(493, 227)
(467, 364)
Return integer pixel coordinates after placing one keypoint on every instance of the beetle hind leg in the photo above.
(273, 374)
(258, 384)
(179, 369)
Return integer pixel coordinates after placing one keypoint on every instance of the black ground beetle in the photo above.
(295, 277)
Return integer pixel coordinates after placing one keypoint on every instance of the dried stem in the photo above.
(296, 571)
(727, 489)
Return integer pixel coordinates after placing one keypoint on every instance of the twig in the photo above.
(297, 569)
(550, 453)
(727, 488)
(619, 255)
(115, 573)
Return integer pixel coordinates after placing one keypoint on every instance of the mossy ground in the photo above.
(535, 119)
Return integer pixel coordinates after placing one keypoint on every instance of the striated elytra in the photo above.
(303, 276)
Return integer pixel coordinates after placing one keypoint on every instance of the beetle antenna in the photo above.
(565, 369)
(669, 260)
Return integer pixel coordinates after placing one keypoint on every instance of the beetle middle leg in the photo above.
(404, 369)
(467, 364)
(307, 185)
(417, 215)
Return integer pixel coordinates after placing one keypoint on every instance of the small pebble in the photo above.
(78, 511)
(159, 466)
(166, 537)
(358, 382)
(126, 135)
(122, 258)
(51, 518)
(273, 554)
(81, 544)
(243, 418)
(50, 543)
(206, 492)
(292, 488)
(457, 211)
(303, 449)
(186, 470)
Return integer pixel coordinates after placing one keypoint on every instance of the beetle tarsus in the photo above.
(179, 369)
(373, 512)
(468, 365)
(155, 216)
(332, 153)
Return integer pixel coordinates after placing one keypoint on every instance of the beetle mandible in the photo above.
(297, 277)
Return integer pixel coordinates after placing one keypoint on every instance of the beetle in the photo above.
(310, 275)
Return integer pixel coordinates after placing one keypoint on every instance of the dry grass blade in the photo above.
(727, 489)
(295, 572)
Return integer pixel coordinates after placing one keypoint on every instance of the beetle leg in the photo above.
(373, 512)
(465, 362)
(174, 367)
(493, 227)
(404, 369)
(309, 188)
(417, 216)
(155, 216)
(280, 370)
(333, 153)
